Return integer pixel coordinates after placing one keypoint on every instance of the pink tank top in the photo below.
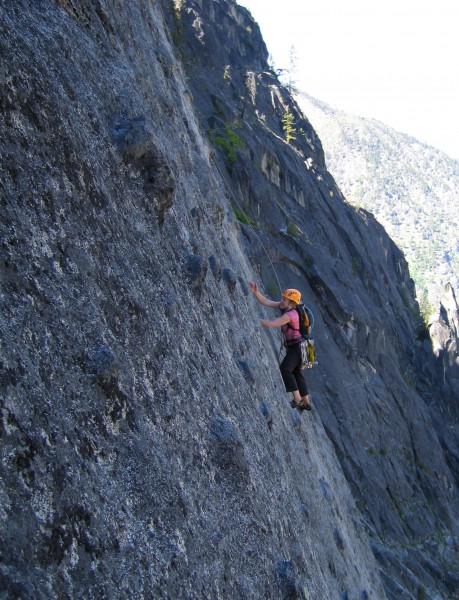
(290, 334)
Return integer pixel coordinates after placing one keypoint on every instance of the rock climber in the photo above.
(290, 367)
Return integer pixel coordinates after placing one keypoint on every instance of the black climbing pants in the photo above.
(291, 372)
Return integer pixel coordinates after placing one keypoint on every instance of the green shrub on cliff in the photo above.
(229, 141)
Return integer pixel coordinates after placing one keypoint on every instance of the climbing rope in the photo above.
(248, 222)
(254, 232)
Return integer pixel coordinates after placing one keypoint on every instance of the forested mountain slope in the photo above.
(410, 187)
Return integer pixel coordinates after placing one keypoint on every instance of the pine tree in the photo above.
(292, 69)
(288, 125)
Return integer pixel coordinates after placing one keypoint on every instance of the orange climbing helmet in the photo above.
(293, 295)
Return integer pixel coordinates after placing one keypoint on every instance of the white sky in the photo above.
(392, 60)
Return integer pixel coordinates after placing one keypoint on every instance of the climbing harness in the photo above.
(308, 354)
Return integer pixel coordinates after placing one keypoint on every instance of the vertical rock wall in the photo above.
(147, 446)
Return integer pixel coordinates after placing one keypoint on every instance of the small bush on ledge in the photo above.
(229, 141)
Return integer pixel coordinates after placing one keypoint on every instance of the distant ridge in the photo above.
(410, 187)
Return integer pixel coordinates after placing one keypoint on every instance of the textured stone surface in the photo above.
(148, 448)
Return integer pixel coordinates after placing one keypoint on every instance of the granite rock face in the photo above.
(444, 334)
(148, 448)
(440, 367)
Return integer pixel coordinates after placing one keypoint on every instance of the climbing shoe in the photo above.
(303, 406)
(294, 404)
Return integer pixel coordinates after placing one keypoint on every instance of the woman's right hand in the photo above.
(254, 287)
